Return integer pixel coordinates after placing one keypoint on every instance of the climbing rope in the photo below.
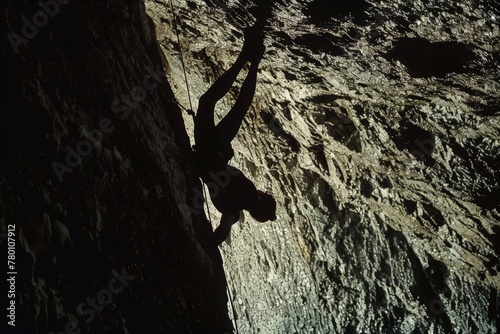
(182, 59)
(191, 112)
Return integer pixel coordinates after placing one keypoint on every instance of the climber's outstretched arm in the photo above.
(222, 231)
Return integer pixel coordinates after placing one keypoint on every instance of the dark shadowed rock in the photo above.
(97, 178)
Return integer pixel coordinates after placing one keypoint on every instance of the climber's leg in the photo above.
(231, 123)
(223, 84)
(204, 120)
(253, 42)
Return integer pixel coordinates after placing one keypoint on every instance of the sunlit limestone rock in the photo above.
(376, 127)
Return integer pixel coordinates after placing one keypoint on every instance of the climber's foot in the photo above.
(254, 32)
(254, 39)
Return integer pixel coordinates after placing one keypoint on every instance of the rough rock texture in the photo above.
(376, 126)
(111, 226)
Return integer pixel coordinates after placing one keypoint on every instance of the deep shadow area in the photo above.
(89, 91)
(433, 215)
(321, 43)
(336, 121)
(491, 107)
(428, 281)
(325, 13)
(425, 59)
(419, 142)
(277, 129)
(484, 163)
(261, 10)
(487, 193)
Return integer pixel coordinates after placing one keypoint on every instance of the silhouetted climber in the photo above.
(230, 191)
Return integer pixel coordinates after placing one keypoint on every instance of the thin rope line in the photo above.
(235, 316)
(181, 53)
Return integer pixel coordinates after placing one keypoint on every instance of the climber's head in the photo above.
(265, 209)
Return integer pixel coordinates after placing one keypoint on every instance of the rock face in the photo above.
(376, 126)
(96, 175)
